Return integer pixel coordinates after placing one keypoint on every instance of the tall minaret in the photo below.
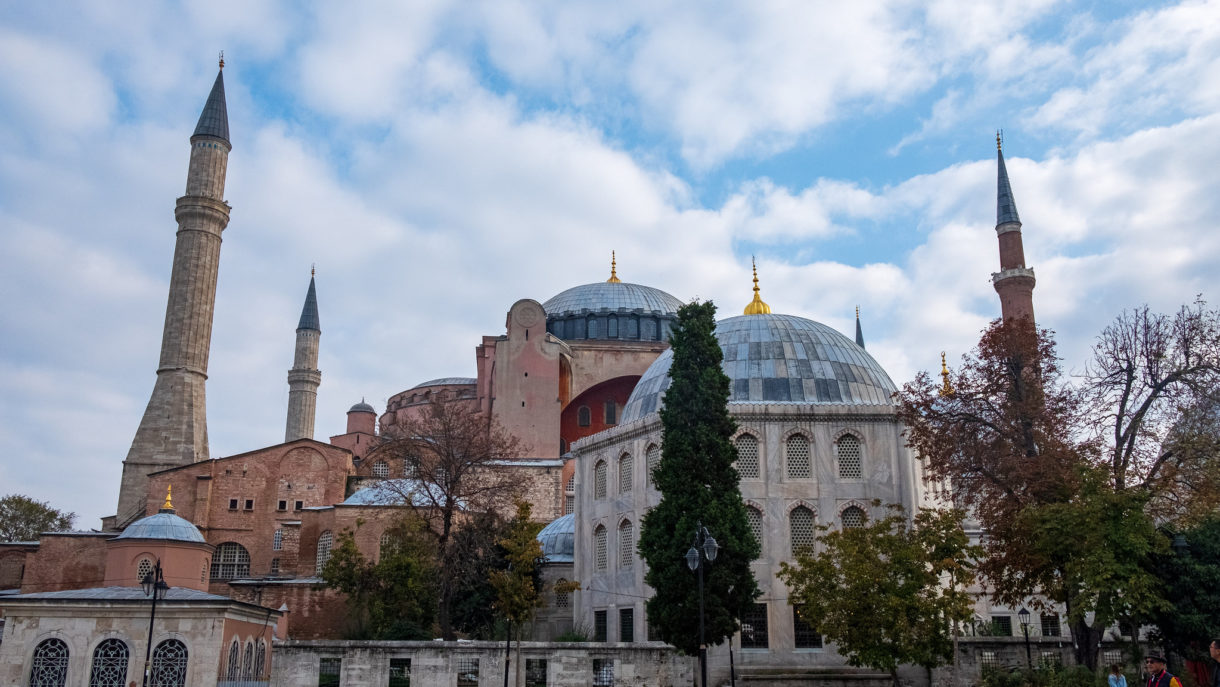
(304, 377)
(1014, 282)
(174, 429)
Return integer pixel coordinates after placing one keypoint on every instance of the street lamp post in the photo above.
(1023, 615)
(704, 547)
(154, 586)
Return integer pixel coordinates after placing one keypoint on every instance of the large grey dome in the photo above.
(558, 539)
(611, 296)
(163, 526)
(779, 359)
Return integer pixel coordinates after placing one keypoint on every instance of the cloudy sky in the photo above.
(440, 160)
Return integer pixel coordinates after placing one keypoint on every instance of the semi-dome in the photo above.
(779, 359)
(558, 539)
(163, 525)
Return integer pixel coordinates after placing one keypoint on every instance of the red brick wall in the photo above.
(66, 562)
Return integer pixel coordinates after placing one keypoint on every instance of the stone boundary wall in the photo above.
(568, 664)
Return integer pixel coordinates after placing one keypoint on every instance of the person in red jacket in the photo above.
(1159, 677)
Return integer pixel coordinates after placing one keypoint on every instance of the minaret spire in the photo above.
(174, 430)
(859, 332)
(304, 377)
(1014, 282)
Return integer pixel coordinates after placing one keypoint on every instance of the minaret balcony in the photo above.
(1015, 272)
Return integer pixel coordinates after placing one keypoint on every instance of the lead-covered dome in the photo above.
(558, 539)
(611, 310)
(779, 359)
(163, 525)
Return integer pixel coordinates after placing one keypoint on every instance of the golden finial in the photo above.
(756, 306)
(999, 139)
(169, 490)
(613, 274)
(313, 268)
(946, 389)
(222, 59)
(857, 312)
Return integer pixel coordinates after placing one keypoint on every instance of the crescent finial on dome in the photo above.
(613, 275)
(756, 306)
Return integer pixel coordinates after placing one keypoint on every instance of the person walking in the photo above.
(1214, 650)
(1158, 676)
(1116, 678)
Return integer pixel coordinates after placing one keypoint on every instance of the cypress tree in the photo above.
(698, 483)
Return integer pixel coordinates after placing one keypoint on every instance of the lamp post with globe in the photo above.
(705, 546)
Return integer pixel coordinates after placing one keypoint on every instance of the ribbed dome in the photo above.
(778, 359)
(558, 539)
(163, 526)
(611, 296)
(362, 407)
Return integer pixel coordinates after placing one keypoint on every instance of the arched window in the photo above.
(247, 663)
(260, 660)
(109, 664)
(234, 668)
(747, 456)
(653, 457)
(626, 466)
(584, 416)
(599, 547)
(49, 667)
(230, 561)
(755, 518)
(169, 661)
(599, 480)
(381, 469)
(848, 450)
(852, 517)
(277, 540)
(626, 544)
(800, 466)
(801, 530)
(324, 543)
(562, 598)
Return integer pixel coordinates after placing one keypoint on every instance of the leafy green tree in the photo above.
(474, 553)
(394, 597)
(889, 592)
(518, 587)
(698, 483)
(1191, 617)
(23, 519)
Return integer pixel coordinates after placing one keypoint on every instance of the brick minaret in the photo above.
(304, 377)
(174, 429)
(1014, 282)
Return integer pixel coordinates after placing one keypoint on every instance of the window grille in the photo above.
(563, 599)
(535, 672)
(109, 664)
(584, 416)
(626, 466)
(653, 457)
(806, 637)
(400, 672)
(275, 566)
(599, 626)
(755, 518)
(603, 672)
(230, 561)
(260, 659)
(800, 466)
(852, 517)
(388, 543)
(169, 661)
(599, 480)
(1112, 656)
(381, 469)
(848, 449)
(754, 627)
(747, 456)
(626, 624)
(599, 547)
(277, 540)
(1050, 625)
(468, 672)
(234, 666)
(1050, 658)
(626, 544)
(611, 412)
(144, 569)
(328, 671)
(1001, 625)
(49, 667)
(569, 505)
(324, 543)
(988, 659)
(801, 530)
(247, 664)
(570, 487)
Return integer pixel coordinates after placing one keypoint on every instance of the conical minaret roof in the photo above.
(859, 331)
(309, 313)
(1006, 205)
(214, 120)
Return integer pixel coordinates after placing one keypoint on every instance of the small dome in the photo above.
(611, 296)
(778, 359)
(163, 526)
(362, 407)
(558, 539)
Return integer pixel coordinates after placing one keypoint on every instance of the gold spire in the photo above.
(999, 139)
(313, 268)
(756, 306)
(222, 59)
(613, 276)
(169, 489)
(857, 313)
(946, 389)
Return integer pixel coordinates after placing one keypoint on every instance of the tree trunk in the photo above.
(1087, 642)
(894, 676)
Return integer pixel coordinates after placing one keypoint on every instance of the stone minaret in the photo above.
(1014, 282)
(174, 429)
(304, 377)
